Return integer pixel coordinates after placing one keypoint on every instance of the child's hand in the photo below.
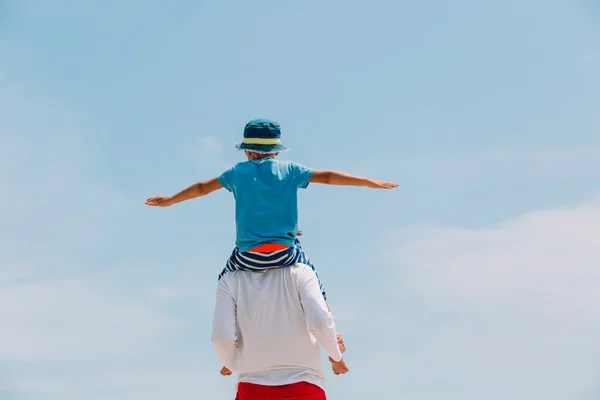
(375, 184)
(159, 201)
(225, 371)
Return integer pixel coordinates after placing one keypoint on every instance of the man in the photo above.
(268, 326)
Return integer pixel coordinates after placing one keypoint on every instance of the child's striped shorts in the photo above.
(253, 261)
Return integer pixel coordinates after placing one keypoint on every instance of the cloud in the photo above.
(121, 379)
(64, 313)
(548, 256)
(509, 166)
(210, 144)
(73, 319)
(207, 153)
(206, 148)
(80, 318)
(506, 311)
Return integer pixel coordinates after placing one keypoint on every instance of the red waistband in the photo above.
(269, 248)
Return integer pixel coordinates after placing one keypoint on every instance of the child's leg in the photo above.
(258, 261)
(304, 259)
(252, 261)
(230, 265)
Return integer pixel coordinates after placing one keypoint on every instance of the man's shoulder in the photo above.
(227, 279)
(301, 267)
(298, 269)
(301, 272)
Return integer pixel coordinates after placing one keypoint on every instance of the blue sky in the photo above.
(476, 278)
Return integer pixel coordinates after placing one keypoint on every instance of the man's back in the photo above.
(272, 314)
(266, 196)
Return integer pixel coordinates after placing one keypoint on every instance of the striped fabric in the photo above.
(253, 261)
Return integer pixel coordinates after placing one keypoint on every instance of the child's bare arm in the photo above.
(340, 178)
(191, 192)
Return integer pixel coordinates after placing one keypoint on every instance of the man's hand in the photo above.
(340, 341)
(375, 184)
(159, 201)
(339, 367)
(226, 371)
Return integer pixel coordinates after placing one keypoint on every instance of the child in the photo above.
(265, 191)
(266, 199)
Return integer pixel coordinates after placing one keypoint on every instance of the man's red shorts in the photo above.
(295, 391)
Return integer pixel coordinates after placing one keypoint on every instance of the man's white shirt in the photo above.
(279, 318)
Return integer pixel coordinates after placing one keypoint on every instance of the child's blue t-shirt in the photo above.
(266, 200)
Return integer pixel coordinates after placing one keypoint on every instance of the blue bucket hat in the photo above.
(262, 136)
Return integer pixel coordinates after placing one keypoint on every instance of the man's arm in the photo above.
(196, 190)
(224, 329)
(320, 320)
(340, 178)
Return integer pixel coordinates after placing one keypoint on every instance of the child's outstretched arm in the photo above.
(340, 178)
(191, 192)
